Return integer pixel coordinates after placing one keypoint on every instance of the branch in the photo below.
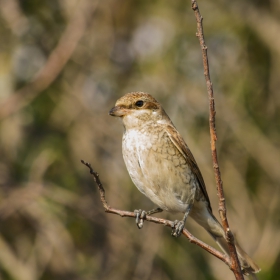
(235, 265)
(123, 213)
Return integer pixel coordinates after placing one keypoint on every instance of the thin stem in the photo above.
(156, 220)
(235, 265)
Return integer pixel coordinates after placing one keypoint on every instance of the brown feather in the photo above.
(180, 144)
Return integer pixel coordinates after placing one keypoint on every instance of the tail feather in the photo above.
(203, 215)
(248, 266)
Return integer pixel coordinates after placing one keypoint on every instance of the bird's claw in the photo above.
(140, 216)
(177, 228)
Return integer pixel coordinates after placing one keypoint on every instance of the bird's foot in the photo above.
(140, 216)
(177, 228)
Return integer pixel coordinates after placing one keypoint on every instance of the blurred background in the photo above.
(64, 64)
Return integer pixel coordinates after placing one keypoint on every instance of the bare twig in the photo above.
(235, 265)
(161, 221)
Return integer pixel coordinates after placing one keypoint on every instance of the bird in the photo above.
(163, 168)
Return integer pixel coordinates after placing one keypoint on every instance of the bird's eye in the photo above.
(139, 103)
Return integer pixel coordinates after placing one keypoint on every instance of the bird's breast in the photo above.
(157, 168)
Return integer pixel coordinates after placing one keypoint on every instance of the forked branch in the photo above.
(156, 220)
(231, 261)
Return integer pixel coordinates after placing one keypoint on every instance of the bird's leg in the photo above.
(178, 226)
(154, 211)
(141, 215)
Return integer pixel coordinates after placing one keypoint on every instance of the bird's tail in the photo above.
(248, 266)
(209, 222)
(204, 216)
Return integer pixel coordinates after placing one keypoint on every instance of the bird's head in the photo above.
(137, 109)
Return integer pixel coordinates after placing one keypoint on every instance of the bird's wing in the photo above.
(180, 144)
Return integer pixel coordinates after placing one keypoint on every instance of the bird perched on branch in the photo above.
(163, 168)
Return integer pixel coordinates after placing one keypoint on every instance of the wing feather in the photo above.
(180, 144)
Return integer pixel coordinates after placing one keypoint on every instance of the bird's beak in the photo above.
(117, 111)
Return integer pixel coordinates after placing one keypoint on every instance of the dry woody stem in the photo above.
(235, 265)
(231, 261)
(161, 221)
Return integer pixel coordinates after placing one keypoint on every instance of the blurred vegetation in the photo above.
(63, 65)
